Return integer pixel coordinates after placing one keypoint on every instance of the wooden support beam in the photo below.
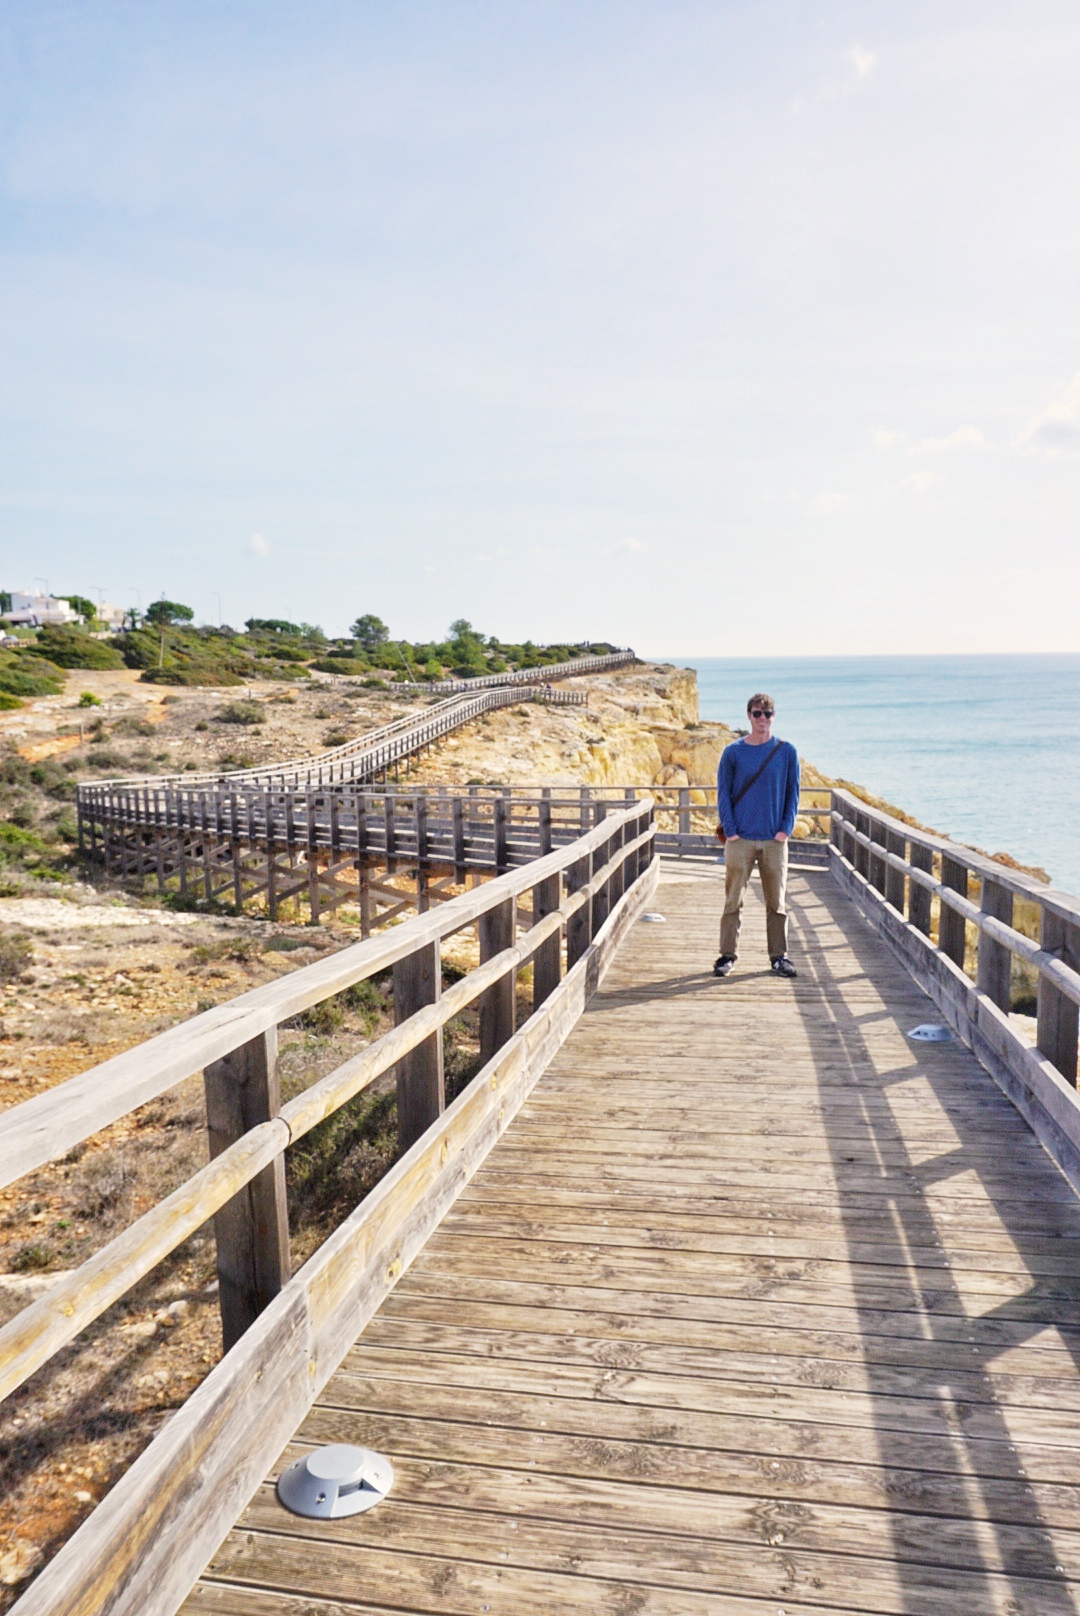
(421, 1094)
(496, 929)
(918, 898)
(579, 928)
(1058, 1016)
(994, 969)
(547, 961)
(894, 879)
(251, 1230)
(952, 928)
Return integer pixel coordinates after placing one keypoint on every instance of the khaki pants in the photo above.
(739, 859)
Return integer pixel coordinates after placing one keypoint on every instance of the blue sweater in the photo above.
(771, 803)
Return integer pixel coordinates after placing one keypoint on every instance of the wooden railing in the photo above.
(556, 670)
(950, 912)
(145, 1544)
(382, 849)
(366, 757)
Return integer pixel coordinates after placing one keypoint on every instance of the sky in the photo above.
(710, 328)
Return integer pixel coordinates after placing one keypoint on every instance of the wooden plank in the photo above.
(252, 1230)
(421, 1096)
(496, 932)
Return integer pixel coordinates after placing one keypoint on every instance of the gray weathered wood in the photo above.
(919, 912)
(952, 933)
(547, 961)
(1057, 1015)
(251, 1230)
(994, 969)
(421, 1095)
(496, 928)
(894, 878)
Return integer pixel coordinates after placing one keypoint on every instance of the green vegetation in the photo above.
(242, 712)
(72, 647)
(167, 648)
(22, 673)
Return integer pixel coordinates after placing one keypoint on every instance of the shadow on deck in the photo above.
(757, 1307)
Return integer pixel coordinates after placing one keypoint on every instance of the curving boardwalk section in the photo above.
(757, 1308)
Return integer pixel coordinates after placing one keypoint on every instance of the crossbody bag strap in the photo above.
(756, 776)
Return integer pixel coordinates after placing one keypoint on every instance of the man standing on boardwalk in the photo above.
(757, 797)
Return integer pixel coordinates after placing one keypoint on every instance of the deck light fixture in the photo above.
(335, 1480)
(931, 1032)
(651, 918)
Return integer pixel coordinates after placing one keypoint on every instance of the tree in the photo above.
(273, 625)
(85, 608)
(164, 614)
(371, 631)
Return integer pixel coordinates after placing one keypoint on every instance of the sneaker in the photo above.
(782, 966)
(723, 965)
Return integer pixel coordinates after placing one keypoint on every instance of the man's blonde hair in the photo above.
(763, 701)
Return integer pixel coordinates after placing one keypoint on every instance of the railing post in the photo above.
(545, 821)
(952, 931)
(251, 1230)
(547, 961)
(421, 853)
(684, 811)
(499, 808)
(862, 855)
(496, 928)
(579, 926)
(919, 898)
(458, 811)
(993, 974)
(312, 859)
(876, 866)
(421, 1096)
(894, 879)
(1058, 1016)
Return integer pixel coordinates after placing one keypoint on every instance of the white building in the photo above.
(35, 610)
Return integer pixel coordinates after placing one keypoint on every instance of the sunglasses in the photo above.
(761, 712)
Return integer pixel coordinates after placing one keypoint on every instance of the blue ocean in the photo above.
(985, 749)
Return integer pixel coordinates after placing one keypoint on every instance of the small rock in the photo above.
(18, 1561)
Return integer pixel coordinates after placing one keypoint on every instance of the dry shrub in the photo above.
(102, 1189)
(16, 955)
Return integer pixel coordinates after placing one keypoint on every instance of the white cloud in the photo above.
(920, 481)
(1055, 430)
(258, 545)
(627, 547)
(829, 502)
(862, 65)
(863, 61)
(965, 437)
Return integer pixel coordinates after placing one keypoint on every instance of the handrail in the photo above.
(50, 1124)
(888, 866)
(48, 1324)
(554, 670)
(368, 751)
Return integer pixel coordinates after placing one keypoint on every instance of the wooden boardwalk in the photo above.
(758, 1308)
